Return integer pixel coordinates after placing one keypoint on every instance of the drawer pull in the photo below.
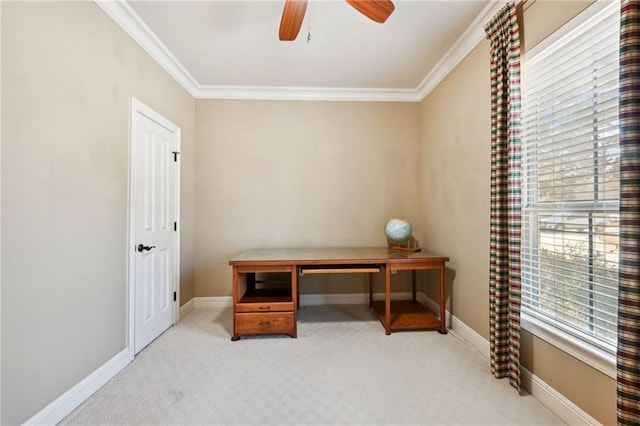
(265, 323)
(265, 308)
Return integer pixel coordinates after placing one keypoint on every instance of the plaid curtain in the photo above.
(504, 276)
(628, 359)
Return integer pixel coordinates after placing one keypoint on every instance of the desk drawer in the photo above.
(265, 306)
(266, 323)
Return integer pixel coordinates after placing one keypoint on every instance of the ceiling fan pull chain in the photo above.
(309, 23)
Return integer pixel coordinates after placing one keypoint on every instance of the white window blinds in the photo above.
(570, 180)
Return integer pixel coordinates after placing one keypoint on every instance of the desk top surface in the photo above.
(333, 255)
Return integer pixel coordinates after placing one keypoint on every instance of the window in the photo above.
(570, 165)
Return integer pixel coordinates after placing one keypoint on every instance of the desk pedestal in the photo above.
(408, 315)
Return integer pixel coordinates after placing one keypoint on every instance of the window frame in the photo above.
(598, 355)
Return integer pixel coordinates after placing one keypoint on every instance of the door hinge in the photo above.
(175, 155)
(175, 295)
(175, 226)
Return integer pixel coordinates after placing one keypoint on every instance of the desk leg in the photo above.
(296, 290)
(235, 336)
(294, 274)
(370, 289)
(387, 300)
(413, 285)
(443, 300)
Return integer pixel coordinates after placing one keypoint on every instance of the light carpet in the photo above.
(342, 369)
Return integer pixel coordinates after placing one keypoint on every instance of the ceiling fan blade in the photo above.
(292, 17)
(376, 10)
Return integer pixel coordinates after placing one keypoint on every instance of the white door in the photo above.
(154, 223)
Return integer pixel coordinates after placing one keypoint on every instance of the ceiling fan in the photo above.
(293, 14)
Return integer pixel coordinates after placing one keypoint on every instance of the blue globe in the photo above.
(398, 230)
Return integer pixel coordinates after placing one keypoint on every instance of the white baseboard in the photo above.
(568, 412)
(305, 300)
(469, 335)
(346, 298)
(186, 309)
(549, 397)
(71, 399)
(213, 302)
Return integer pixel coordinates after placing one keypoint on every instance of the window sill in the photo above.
(600, 359)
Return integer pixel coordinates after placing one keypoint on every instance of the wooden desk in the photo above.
(261, 310)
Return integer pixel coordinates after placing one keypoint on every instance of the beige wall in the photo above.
(455, 186)
(290, 174)
(68, 75)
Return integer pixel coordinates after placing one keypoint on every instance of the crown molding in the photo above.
(134, 26)
(306, 94)
(471, 37)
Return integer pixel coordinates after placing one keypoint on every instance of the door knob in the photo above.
(142, 247)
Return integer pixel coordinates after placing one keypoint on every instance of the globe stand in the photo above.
(411, 245)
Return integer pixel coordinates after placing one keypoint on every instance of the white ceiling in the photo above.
(230, 49)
